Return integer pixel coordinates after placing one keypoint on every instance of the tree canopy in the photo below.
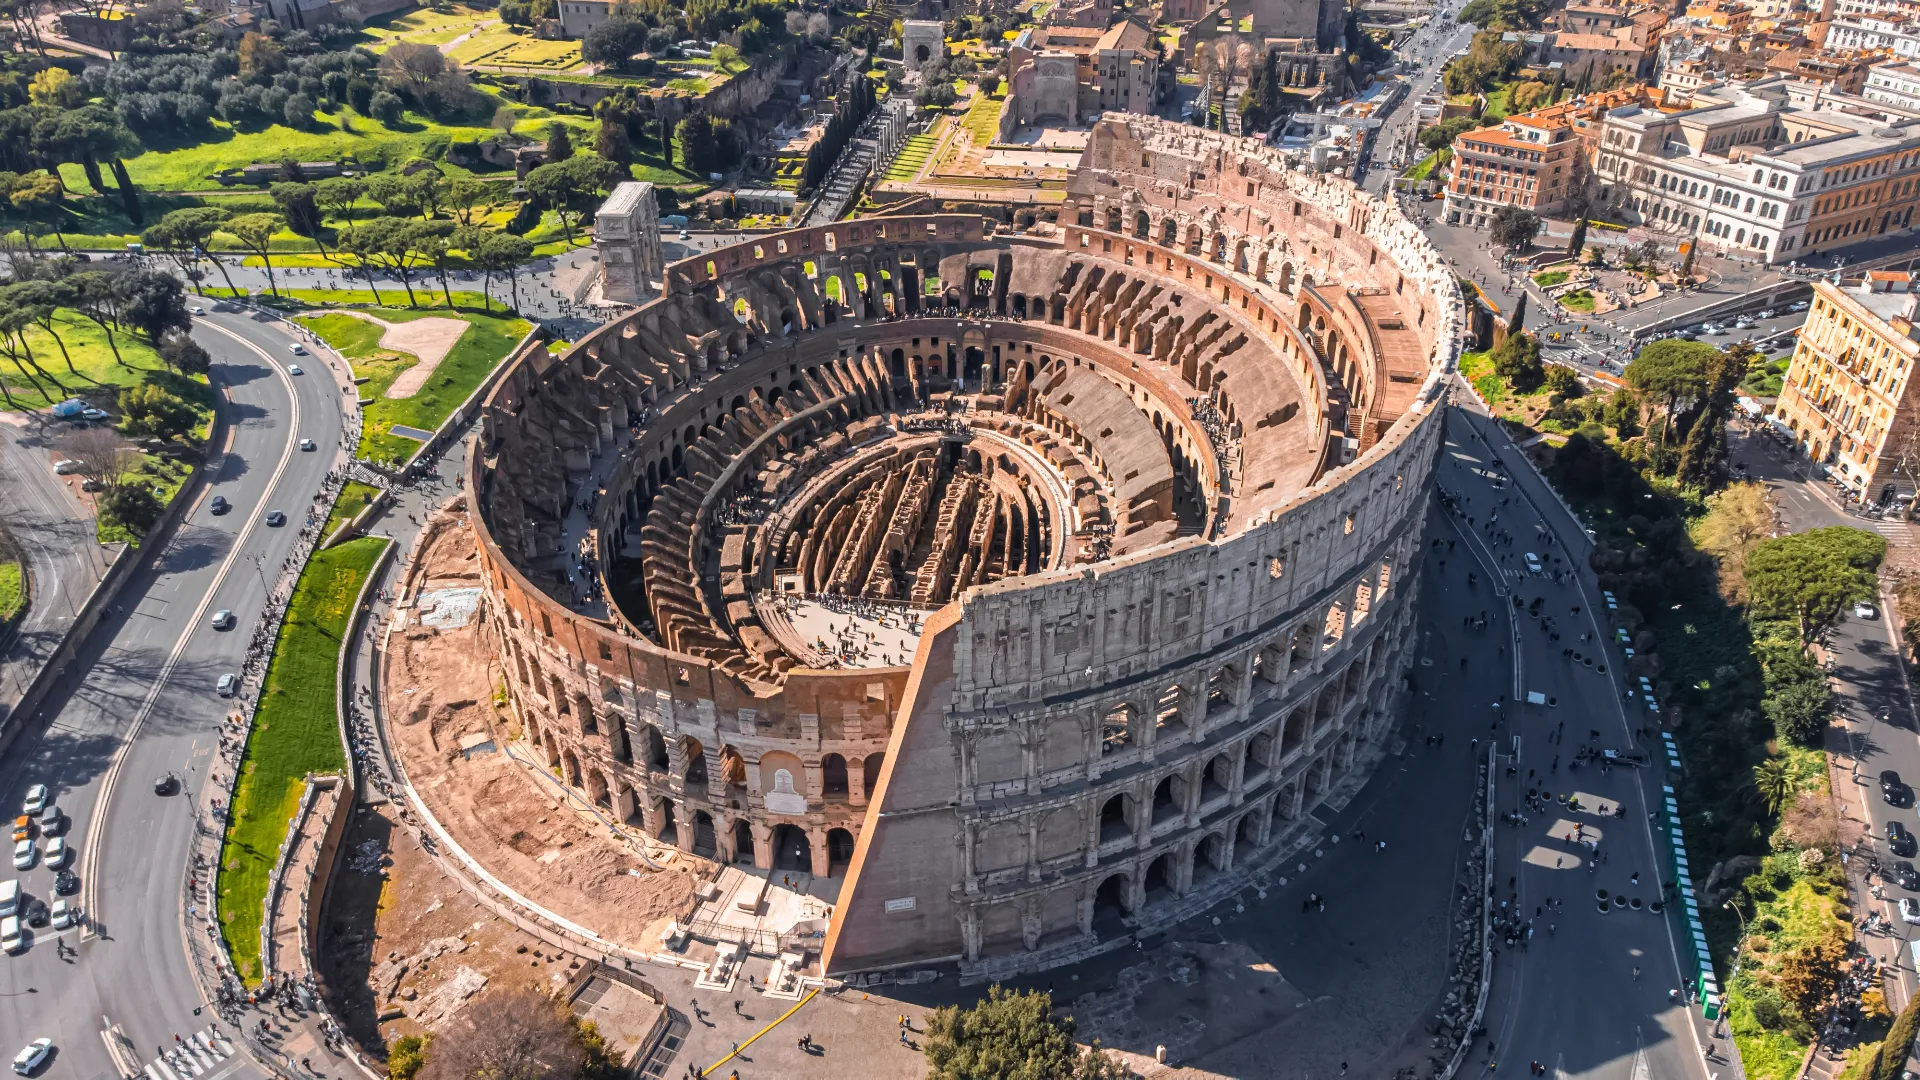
(1812, 577)
(1011, 1036)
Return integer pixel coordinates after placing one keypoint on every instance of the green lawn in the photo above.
(983, 118)
(353, 498)
(489, 338)
(1547, 279)
(1580, 300)
(95, 374)
(501, 44)
(1425, 166)
(425, 26)
(13, 588)
(295, 732)
(912, 156)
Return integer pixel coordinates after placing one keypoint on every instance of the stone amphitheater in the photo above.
(1010, 594)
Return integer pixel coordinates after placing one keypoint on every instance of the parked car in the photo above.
(1798, 305)
(1865, 611)
(1767, 313)
(1893, 789)
(1909, 909)
(51, 823)
(61, 914)
(36, 801)
(22, 828)
(56, 852)
(24, 855)
(66, 467)
(97, 414)
(66, 883)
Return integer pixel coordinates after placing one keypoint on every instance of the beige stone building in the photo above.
(1850, 393)
(1011, 594)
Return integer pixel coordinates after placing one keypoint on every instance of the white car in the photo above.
(96, 414)
(227, 684)
(56, 852)
(294, 369)
(1533, 563)
(66, 467)
(306, 444)
(24, 853)
(1909, 910)
(197, 310)
(30, 1056)
(61, 913)
(222, 619)
(36, 800)
(1865, 611)
(1768, 313)
(297, 349)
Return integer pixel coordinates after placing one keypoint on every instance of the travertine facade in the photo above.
(1147, 494)
(626, 233)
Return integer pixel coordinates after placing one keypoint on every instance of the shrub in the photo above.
(386, 107)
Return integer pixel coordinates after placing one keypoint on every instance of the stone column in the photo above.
(762, 846)
(817, 847)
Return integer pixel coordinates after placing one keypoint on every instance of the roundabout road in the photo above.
(141, 703)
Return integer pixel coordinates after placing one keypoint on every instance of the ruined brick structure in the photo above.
(1145, 495)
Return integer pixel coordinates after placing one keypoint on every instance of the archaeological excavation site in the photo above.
(924, 593)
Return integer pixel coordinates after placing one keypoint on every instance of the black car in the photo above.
(36, 912)
(1900, 840)
(1905, 876)
(221, 505)
(163, 785)
(66, 883)
(1892, 789)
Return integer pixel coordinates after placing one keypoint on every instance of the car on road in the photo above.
(306, 444)
(1893, 789)
(226, 685)
(1865, 611)
(36, 800)
(96, 414)
(221, 505)
(294, 369)
(222, 620)
(1716, 330)
(66, 467)
(35, 913)
(56, 851)
(66, 883)
(1909, 910)
(24, 855)
(11, 938)
(163, 784)
(1906, 876)
(1743, 323)
(51, 822)
(1767, 313)
(297, 349)
(275, 519)
(197, 310)
(1900, 840)
(22, 828)
(1533, 563)
(1797, 305)
(30, 1056)
(61, 914)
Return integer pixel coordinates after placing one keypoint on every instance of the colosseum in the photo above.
(1013, 593)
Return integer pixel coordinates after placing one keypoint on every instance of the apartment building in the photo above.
(1850, 393)
(1837, 70)
(1127, 67)
(1897, 33)
(1895, 83)
(1768, 169)
(1528, 161)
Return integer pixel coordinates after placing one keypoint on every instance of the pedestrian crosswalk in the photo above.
(195, 1055)
(1892, 530)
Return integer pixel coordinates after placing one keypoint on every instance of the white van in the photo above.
(9, 897)
(10, 938)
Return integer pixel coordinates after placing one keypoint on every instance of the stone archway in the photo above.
(792, 850)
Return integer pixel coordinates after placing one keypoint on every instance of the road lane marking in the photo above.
(97, 824)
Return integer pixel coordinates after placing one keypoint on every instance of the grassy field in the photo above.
(489, 338)
(13, 588)
(425, 26)
(353, 498)
(95, 374)
(983, 118)
(295, 732)
(1547, 279)
(502, 44)
(912, 157)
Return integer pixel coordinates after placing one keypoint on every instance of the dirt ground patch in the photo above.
(440, 684)
(405, 942)
(430, 339)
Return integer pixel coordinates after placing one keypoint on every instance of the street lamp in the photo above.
(1731, 906)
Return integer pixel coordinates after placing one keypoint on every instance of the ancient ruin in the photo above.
(1006, 593)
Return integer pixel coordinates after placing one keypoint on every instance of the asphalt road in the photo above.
(55, 533)
(1570, 998)
(142, 704)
